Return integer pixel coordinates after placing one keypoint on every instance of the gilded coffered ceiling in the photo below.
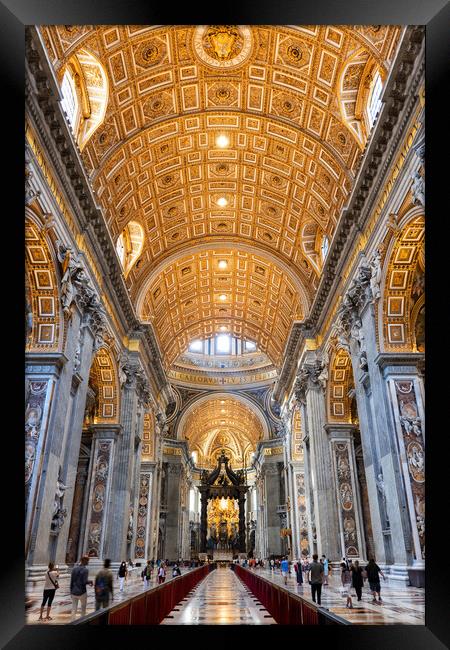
(222, 423)
(285, 102)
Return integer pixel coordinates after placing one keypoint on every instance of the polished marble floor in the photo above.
(62, 604)
(220, 599)
(400, 604)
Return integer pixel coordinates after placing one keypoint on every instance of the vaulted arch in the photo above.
(103, 380)
(45, 327)
(404, 285)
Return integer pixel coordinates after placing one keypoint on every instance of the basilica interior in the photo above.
(225, 300)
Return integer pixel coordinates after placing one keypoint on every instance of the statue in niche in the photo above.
(59, 513)
(375, 278)
(130, 526)
(77, 356)
(381, 486)
(322, 377)
(356, 333)
(418, 189)
(363, 363)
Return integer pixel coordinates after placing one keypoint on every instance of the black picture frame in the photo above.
(435, 14)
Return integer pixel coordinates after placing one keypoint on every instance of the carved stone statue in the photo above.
(130, 526)
(322, 377)
(59, 513)
(375, 278)
(418, 189)
(77, 355)
(381, 486)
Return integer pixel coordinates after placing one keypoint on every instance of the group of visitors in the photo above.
(103, 583)
(316, 572)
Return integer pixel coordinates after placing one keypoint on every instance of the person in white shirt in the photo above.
(50, 587)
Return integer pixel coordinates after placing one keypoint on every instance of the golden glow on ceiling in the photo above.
(222, 141)
(183, 302)
(223, 424)
(264, 118)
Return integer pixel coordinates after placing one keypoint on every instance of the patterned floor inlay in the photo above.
(401, 604)
(220, 599)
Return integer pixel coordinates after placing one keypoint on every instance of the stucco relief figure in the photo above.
(343, 467)
(30, 455)
(346, 496)
(375, 277)
(349, 529)
(416, 461)
(408, 409)
(94, 539)
(33, 417)
(356, 333)
(99, 497)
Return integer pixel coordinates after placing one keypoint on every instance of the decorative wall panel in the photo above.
(100, 486)
(143, 514)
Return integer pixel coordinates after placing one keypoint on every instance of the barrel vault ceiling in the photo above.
(286, 99)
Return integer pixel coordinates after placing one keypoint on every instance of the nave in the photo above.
(220, 599)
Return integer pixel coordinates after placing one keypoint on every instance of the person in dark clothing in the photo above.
(298, 571)
(103, 586)
(357, 579)
(315, 578)
(373, 571)
(79, 578)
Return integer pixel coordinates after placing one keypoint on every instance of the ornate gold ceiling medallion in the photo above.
(222, 46)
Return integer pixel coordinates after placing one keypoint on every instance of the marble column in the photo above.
(73, 552)
(351, 526)
(143, 518)
(126, 457)
(52, 490)
(391, 522)
(273, 501)
(105, 440)
(203, 519)
(405, 393)
(173, 518)
(310, 389)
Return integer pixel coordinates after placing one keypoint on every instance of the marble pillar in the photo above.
(174, 516)
(52, 491)
(274, 498)
(105, 440)
(389, 512)
(143, 518)
(311, 388)
(126, 458)
(351, 528)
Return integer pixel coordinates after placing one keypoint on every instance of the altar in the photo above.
(222, 523)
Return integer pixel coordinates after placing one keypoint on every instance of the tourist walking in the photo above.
(298, 572)
(315, 578)
(50, 587)
(122, 574)
(325, 569)
(176, 571)
(79, 578)
(161, 573)
(346, 580)
(272, 564)
(285, 569)
(103, 586)
(357, 579)
(373, 571)
(147, 573)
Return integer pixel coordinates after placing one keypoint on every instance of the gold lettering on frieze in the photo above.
(170, 451)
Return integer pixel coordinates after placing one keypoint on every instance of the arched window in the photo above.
(374, 103)
(70, 103)
(129, 245)
(222, 344)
